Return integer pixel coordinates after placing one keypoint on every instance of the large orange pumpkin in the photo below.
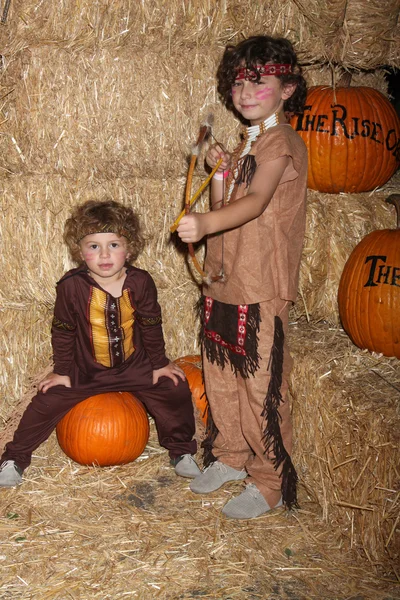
(353, 138)
(107, 429)
(191, 365)
(369, 290)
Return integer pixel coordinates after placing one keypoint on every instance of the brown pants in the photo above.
(237, 403)
(169, 405)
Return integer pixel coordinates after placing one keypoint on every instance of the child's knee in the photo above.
(179, 390)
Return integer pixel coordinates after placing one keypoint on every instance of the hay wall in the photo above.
(104, 99)
(346, 417)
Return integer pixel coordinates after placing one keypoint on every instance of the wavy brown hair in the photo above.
(103, 216)
(260, 50)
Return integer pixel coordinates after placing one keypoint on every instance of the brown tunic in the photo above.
(261, 258)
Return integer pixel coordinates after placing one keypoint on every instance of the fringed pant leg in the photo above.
(264, 471)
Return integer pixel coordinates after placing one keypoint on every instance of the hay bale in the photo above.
(336, 223)
(353, 33)
(369, 34)
(25, 352)
(100, 114)
(346, 423)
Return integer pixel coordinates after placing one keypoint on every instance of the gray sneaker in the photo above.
(248, 505)
(10, 474)
(214, 476)
(186, 466)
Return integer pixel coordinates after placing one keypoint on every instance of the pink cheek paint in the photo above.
(88, 256)
(263, 94)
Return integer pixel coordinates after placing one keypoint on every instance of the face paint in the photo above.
(263, 94)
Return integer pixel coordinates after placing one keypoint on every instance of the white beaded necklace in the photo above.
(255, 130)
(251, 134)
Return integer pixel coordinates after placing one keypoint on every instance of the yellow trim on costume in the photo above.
(97, 318)
(127, 321)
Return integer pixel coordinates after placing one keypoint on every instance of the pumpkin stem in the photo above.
(395, 200)
(345, 80)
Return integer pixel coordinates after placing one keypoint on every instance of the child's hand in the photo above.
(192, 228)
(172, 371)
(213, 155)
(53, 379)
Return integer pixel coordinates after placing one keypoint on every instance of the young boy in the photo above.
(106, 336)
(261, 216)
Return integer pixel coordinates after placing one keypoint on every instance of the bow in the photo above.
(204, 132)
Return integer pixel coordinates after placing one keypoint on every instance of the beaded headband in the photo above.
(274, 69)
(103, 229)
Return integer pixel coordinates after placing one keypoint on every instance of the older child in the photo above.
(106, 336)
(258, 198)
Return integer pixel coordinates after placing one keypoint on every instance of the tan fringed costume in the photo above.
(245, 319)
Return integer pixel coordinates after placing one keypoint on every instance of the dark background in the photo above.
(393, 78)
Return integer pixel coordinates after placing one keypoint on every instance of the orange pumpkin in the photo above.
(369, 290)
(107, 429)
(191, 365)
(352, 136)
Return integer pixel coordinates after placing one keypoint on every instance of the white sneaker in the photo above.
(214, 476)
(186, 466)
(248, 505)
(10, 474)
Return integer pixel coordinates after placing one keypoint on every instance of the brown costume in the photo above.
(107, 344)
(245, 318)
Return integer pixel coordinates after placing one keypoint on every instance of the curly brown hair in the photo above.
(260, 50)
(103, 216)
